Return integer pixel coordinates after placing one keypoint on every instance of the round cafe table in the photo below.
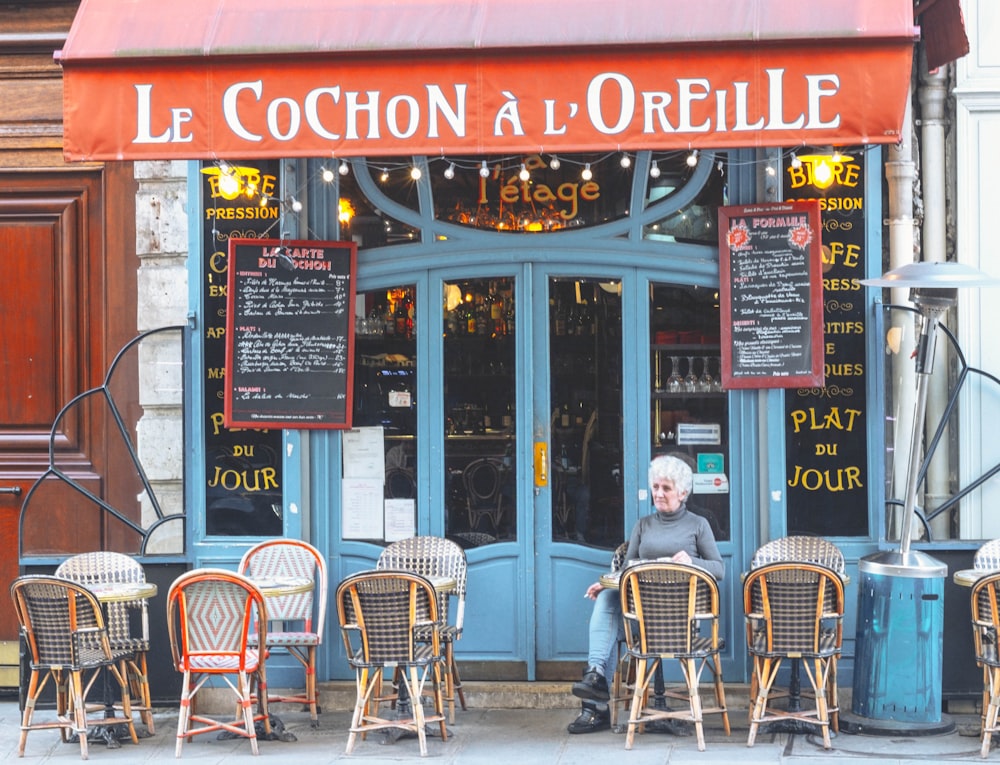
(967, 577)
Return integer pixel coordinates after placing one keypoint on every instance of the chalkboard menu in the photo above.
(290, 334)
(771, 295)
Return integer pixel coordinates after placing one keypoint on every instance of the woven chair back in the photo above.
(103, 567)
(674, 609)
(986, 618)
(800, 548)
(62, 623)
(797, 608)
(431, 556)
(386, 609)
(210, 613)
(290, 559)
(987, 557)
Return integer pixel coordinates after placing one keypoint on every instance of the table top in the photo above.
(967, 577)
(117, 592)
(443, 583)
(277, 586)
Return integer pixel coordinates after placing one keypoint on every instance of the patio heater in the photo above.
(897, 668)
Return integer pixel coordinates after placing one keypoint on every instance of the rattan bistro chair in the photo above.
(985, 630)
(113, 568)
(384, 620)
(671, 611)
(793, 610)
(437, 557)
(210, 614)
(295, 621)
(808, 550)
(67, 640)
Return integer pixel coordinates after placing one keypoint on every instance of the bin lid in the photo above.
(913, 564)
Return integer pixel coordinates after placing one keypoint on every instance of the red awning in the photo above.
(147, 79)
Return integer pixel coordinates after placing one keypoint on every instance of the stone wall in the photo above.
(162, 248)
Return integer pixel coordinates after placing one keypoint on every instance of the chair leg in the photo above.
(638, 693)
(765, 671)
(246, 707)
(79, 710)
(184, 713)
(413, 685)
(139, 688)
(690, 669)
(313, 701)
(991, 710)
(720, 691)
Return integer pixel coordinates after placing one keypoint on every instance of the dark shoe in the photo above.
(593, 686)
(590, 720)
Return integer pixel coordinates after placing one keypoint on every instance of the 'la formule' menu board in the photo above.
(771, 295)
(290, 333)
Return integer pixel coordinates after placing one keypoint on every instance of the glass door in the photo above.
(480, 437)
(585, 425)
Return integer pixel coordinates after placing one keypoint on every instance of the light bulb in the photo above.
(449, 172)
(229, 185)
(385, 175)
(586, 174)
(296, 205)
(415, 173)
(626, 160)
(770, 170)
(484, 172)
(524, 175)
(692, 158)
(554, 163)
(836, 156)
(796, 162)
(327, 174)
(344, 168)
(654, 170)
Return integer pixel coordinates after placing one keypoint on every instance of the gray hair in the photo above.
(675, 470)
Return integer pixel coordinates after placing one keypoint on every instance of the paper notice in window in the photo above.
(364, 453)
(699, 433)
(710, 483)
(362, 508)
(399, 519)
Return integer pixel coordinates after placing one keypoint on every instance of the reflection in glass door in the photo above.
(480, 439)
(585, 393)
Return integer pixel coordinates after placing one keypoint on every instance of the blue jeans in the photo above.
(605, 632)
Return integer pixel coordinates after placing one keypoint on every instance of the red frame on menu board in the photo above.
(290, 334)
(771, 295)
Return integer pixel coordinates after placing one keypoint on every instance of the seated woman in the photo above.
(672, 532)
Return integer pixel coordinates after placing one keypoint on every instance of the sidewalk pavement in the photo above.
(484, 735)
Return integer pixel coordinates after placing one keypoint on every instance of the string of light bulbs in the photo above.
(506, 165)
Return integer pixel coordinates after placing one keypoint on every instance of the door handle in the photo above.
(10, 490)
(541, 464)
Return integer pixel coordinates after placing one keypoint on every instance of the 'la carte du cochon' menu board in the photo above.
(289, 334)
(771, 295)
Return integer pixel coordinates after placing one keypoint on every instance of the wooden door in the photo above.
(68, 305)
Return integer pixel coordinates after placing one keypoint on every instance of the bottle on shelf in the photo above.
(564, 416)
(470, 318)
(401, 319)
(563, 457)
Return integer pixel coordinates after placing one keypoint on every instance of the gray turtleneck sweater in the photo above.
(661, 535)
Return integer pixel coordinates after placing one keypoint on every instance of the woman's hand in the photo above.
(592, 591)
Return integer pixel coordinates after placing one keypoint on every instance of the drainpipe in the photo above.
(899, 173)
(933, 93)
